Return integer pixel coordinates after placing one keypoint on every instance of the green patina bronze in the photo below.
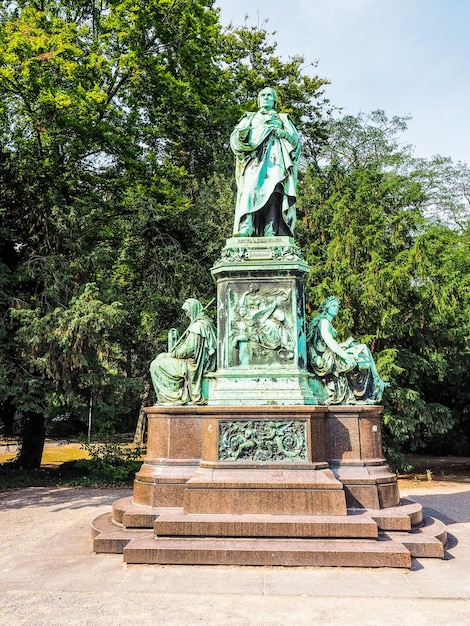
(256, 440)
(262, 349)
(346, 370)
(246, 253)
(267, 149)
(178, 374)
(261, 353)
(261, 328)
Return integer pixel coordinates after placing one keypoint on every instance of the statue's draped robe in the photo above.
(177, 376)
(265, 164)
(269, 328)
(345, 384)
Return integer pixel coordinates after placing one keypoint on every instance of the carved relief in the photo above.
(287, 253)
(261, 327)
(233, 255)
(252, 440)
(242, 254)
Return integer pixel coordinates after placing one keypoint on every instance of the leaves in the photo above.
(117, 194)
(401, 277)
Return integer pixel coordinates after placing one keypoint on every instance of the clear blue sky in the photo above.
(407, 57)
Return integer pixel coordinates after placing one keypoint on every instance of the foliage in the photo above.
(114, 120)
(117, 194)
(402, 280)
(109, 464)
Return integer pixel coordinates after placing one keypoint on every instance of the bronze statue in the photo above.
(267, 149)
(347, 370)
(177, 375)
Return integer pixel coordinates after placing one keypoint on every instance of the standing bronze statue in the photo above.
(267, 149)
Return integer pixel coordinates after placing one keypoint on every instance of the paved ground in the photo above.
(50, 576)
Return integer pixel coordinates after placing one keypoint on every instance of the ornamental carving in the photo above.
(241, 254)
(287, 253)
(260, 440)
(233, 255)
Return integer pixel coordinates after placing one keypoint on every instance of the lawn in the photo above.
(55, 452)
(61, 465)
(73, 464)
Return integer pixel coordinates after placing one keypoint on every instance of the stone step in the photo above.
(398, 518)
(434, 528)
(177, 523)
(256, 540)
(111, 538)
(132, 515)
(286, 552)
(426, 541)
(405, 516)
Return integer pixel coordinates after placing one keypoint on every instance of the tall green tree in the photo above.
(114, 121)
(369, 240)
(83, 136)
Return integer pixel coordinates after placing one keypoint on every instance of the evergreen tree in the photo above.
(369, 241)
(114, 119)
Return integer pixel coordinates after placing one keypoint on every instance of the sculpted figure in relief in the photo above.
(261, 325)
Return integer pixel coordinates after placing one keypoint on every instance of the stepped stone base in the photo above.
(287, 552)
(362, 538)
(274, 491)
(267, 485)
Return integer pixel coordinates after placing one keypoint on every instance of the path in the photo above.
(50, 576)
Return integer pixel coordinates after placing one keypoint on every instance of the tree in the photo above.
(82, 137)
(366, 235)
(114, 121)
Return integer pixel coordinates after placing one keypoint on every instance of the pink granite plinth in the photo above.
(332, 501)
(174, 445)
(253, 491)
(353, 449)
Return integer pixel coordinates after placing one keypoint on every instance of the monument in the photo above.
(264, 446)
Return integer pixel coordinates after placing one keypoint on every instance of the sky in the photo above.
(407, 57)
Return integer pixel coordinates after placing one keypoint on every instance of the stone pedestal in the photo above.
(299, 459)
(264, 475)
(174, 444)
(264, 460)
(353, 449)
(262, 352)
(298, 485)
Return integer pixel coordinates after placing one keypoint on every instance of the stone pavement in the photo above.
(50, 576)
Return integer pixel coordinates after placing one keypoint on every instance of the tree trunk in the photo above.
(32, 444)
(142, 421)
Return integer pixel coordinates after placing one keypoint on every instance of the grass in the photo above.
(70, 464)
(54, 454)
(74, 464)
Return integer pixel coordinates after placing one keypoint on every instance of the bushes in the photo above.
(111, 464)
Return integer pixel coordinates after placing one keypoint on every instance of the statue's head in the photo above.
(193, 307)
(330, 304)
(267, 99)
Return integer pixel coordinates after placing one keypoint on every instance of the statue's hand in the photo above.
(280, 133)
(283, 134)
(350, 360)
